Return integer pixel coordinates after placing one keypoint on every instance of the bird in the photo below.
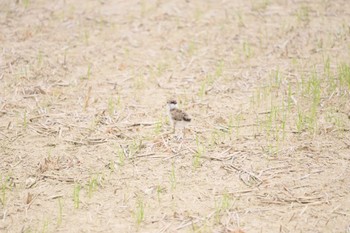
(176, 115)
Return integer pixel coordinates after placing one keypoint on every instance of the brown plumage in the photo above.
(179, 115)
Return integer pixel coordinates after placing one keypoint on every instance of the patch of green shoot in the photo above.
(275, 79)
(25, 120)
(344, 76)
(259, 5)
(60, 211)
(139, 82)
(202, 89)
(143, 8)
(121, 156)
(92, 185)
(3, 190)
(218, 137)
(76, 195)
(221, 205)
(207, 82)
(40, 59)
(111, 106)
(88, 72)
(161, 68)
(238, 119)
(86, 37)
(230, 125)
(247, 50)
(65, 56)
(219, 69)
(140, 211)
(158, 126)
(289, 98)
(45, 226)
(303, 14)
(191, 48)
(160, 190)
(300, 121)
(240, 20)
(26, 3)
(198, 154)
(94, 123)
(198, 13)
(134, 147)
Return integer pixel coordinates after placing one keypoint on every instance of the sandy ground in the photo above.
(85, 144)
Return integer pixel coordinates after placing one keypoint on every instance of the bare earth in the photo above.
(85, 144)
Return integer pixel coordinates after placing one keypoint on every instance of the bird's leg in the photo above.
(174, 126)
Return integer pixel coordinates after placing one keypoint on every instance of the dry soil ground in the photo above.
(85, 143)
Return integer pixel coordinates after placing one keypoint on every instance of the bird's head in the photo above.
(172, 104)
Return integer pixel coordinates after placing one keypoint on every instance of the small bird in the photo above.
(176, 115)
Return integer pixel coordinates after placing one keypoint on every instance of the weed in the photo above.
(230, 125)
(94, 123)
(26, 3)
(25, 120)
(121, 156)
(60, 210)
(76, 195)
(143, 8)
(111, 106)
(158, 126)
(215, 139)
(159, 191)
(198, 13)
(45, 226)
(202, 89)
(140, 211)
(3, 190)
(86, 37)
(191, 48)
(259, 5)
(219, 69)
(275, 79)
(88, 72)
(92, 185)
(134, 147)
(300, 121)
(238, 119)
(344, 76)
(221, 206)
(284, 120)
(40, 59)
(65, 56)
(208, 81)
(139, 82)
(111, 166)
(289, 100)
(240, 20)
(303, 14)
(247, 50)
(198, 154)
(161, 68)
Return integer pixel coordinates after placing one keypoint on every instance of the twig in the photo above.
(254, 177)
(75, 142)
(141, 124)
(66, 179)
(143, 155)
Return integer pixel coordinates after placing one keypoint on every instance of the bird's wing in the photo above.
(179, 115)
